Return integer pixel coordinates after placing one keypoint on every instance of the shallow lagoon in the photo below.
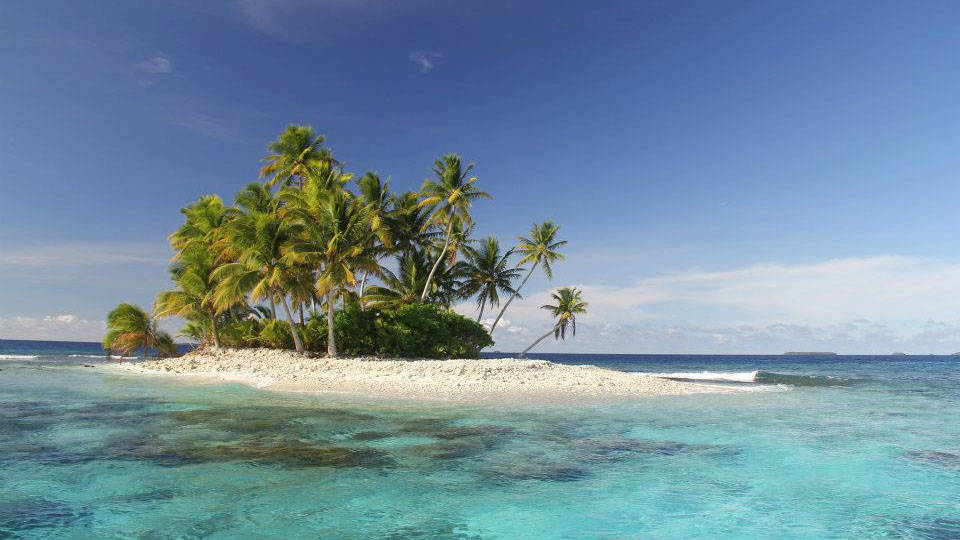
(91, 454)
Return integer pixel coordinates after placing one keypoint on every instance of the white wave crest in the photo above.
(87, 355)
(764, 388)
(18, 356)
(743, 376)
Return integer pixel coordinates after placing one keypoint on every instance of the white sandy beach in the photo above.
(469, 380)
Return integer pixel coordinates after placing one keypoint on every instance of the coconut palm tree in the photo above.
(375, 195)
(540, 248)
(569, 304)
(130, 328)
(488, 274)
(333, 235)
(406, 285)
(259, 270)
(410, 228)
(460, 240)
(203, 224)
(450, 193)
(296, 154)
(194, 298)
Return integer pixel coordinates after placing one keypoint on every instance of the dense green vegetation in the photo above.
(315, 259)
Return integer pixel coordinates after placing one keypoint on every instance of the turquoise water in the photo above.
(856, 447)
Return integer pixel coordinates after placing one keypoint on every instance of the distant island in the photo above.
(809, 353)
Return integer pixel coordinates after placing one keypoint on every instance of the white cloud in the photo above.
(209, 127)
(424, 59)
(81, 254)
(62, 327)
(870, 304)
(155, 65)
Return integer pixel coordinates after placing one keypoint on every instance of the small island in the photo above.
(317, 280)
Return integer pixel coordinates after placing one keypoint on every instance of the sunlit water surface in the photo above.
(841, 447)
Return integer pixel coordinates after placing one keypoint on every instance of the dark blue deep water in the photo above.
(811, 447)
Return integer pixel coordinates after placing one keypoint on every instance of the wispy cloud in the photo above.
(424, 59)
(155, 65)
(64, 326)
(869, 304)
(209, 127)
(81, 254)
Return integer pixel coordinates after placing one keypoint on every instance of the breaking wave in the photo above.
(757, 376)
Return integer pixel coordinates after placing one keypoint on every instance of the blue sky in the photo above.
(731, 176)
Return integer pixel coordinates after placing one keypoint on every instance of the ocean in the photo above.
(815, 447)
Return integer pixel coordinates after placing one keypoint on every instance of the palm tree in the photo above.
(333, 235)
(259, 270)
(451, 193)
(203, 224)
(411, 228)
(295, 155)
(569, 304)
(375, 195)
(405, 286)
(194, 273)
(460, 239)
(130, 328)
(488, 274)
(540, 248)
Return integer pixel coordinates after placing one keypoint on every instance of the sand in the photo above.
(461, 380)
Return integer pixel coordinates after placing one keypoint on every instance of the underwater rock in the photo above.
(433, 528)
(538, 470)
(453, 449)
(615, 449)
(370, 435)
(935, 457)
(37, 513)
(934, 529)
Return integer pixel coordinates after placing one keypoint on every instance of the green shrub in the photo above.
(412, 331)
(240, 333)
(276, 334)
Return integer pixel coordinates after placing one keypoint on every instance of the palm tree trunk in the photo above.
(541, 338)
(331, 342)
(302, 323)
(293, 326)
(505, 306)
(483, 304)
(273, 308)
(213, 331)
(446, 243)
(363, 284)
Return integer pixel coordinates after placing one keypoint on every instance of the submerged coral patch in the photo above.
(936, 457)
(532, 469)
(36, 513)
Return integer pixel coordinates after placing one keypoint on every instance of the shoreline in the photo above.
(473, 380)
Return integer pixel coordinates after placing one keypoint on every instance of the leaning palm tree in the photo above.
(194, 273)
(450, 193)
(130, 328)
(569, 304)
(333, 235)
(488, 274)
(294, 156)
(540, 248)
(259, 239)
